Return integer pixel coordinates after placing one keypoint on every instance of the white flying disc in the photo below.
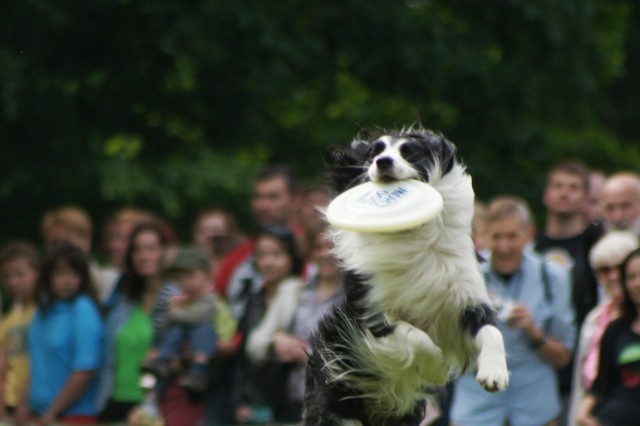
(385, 207)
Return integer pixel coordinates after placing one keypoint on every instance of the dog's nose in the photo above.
(384, 163)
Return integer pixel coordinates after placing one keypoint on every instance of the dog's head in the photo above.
(386, 257)
(406, 154)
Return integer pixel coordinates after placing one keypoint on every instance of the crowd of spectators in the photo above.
(556, 291)
(142, 328)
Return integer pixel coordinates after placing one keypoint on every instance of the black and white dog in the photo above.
(416, 310)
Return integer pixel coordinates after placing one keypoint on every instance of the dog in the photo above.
(416, 311)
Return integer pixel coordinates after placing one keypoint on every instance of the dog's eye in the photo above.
(411, 151)
(377, 148)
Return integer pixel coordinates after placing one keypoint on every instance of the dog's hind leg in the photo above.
(479, 321)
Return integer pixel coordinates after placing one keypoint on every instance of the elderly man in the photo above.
(621, 202)
(536, 322)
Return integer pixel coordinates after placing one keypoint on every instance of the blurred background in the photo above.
(172, 106)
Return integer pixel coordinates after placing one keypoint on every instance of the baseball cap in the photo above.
(189, 258)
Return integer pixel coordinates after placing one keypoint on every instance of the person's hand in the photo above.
(225, 349)
(152, 355)
(133, 418)
(520, 317)
(22, 415)
(243, 414)
(138, 417)
(46, 419)
(588, 421)
(289, 348)
(177, 300)
(584, 416)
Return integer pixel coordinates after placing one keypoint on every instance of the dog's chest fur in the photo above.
(424, 276)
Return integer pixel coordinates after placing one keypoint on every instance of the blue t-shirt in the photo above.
(532, 397)
(66, 338)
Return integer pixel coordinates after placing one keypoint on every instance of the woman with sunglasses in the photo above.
(605, 258)
(614, 397)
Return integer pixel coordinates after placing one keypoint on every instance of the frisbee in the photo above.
(385, 207)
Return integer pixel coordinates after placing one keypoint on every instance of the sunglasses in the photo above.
(605, 270)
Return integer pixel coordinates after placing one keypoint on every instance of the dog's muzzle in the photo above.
(384, 164)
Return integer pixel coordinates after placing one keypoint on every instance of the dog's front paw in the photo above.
(493, 377)
(493, 374)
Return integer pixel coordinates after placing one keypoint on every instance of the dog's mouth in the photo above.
(386, 169)
(390, 176)
(386, 179)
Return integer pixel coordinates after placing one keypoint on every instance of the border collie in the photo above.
(416, 311)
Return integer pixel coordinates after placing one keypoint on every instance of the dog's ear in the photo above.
(427, 148)
(346, 166)
(442, 151)
(448, 155)
(360, 148)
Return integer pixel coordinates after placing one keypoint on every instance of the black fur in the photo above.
(474, 318)
(330, 402)
(348, 165)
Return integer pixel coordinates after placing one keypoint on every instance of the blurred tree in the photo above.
(174, 105)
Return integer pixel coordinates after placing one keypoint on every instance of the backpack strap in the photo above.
(548, 296)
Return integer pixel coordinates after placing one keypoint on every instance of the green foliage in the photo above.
(173, 106)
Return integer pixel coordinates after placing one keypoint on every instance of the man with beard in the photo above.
(621, 202)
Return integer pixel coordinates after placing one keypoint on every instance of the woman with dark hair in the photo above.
(261, 381)
(280, 266)
(135, 322)
(321, 291)
(614, 397)
(65, 342)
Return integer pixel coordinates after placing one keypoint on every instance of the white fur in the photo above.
(424, 278)
(491, 360)
(402, 169)
(402, 362)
